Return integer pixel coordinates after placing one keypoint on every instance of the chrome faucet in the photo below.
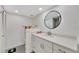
(49, 33)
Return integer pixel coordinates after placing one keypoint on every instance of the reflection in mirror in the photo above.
(52, 19)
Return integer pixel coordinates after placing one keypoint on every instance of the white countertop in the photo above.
(69, 42)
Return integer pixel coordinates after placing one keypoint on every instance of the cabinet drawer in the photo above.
(60, 49)
(41, 45)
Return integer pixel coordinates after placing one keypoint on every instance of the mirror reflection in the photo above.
(52, 19)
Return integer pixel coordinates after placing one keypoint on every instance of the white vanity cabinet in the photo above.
(60, 49)
(40, 45)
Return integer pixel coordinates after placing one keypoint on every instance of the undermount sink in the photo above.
(47, 34)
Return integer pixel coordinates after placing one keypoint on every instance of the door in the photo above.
(2, 32)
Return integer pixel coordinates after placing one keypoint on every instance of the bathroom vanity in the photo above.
(42, 43)
(55, 39)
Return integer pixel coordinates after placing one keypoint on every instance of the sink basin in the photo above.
(45, 34)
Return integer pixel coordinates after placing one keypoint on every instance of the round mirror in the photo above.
(52, 19)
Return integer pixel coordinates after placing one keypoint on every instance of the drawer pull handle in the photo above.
(42, 46)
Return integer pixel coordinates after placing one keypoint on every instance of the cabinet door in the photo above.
(45, 46)
(41, 45)
(35, 43)
(60, 49)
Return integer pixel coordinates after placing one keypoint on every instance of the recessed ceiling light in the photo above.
(16, 11)
(40, 9)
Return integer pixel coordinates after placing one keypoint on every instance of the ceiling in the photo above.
(27, 10)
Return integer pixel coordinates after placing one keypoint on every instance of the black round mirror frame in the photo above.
(59, 18)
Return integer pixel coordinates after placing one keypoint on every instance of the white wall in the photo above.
(15, 31)
(68, 26)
